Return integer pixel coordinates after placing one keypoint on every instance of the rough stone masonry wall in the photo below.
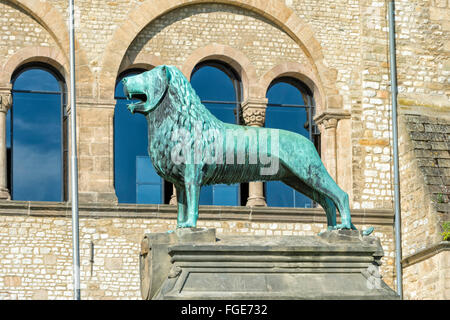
(19, 30)
(423, 52)
(423, 46)
(174, 36)
(429, 278)
(425, 185)
(36, 243)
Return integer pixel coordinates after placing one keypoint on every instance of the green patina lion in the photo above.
(190, 147)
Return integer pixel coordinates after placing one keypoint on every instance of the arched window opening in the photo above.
(290, 107)
(220, 89)
(135, 179)
(36, 140)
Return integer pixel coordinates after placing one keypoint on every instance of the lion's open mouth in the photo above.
(138, 96)
(142, 99)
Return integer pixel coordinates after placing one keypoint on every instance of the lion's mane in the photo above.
(180, 108)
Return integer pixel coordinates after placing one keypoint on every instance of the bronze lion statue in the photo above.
(190, 147)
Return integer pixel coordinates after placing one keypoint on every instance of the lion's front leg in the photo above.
(192, 187)
(182, 205)
(192, 199)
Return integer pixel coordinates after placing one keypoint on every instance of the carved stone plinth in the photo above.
(154, 261)
(193, 264)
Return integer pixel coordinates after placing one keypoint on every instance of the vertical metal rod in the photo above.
(394, 92)
(74, 165)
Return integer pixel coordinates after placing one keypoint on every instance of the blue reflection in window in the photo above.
(288, 118)
(130, 154)
(37, 80)
(212, 84)
(149, 187)
(35, 137)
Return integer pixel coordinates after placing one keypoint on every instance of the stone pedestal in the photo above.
(194, 264)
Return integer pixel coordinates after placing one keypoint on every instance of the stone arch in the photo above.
(53, 21)
(274, 10)
(48, 55)
(232, 57)
(142, 60)
(297, 71)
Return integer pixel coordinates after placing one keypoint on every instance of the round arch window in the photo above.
(220, 90)
(290, 107)
(135, 179)
(36, 138)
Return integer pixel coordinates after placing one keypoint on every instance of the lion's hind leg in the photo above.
(321, 181)
(326, 203)
(317, 178)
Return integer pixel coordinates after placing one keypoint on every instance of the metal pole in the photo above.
(393, 67)
(74, 165)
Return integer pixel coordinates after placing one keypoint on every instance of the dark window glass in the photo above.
(289, 107)
(35, 136)
(135, 179)
(219, 89)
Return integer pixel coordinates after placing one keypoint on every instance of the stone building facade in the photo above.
(339, 49)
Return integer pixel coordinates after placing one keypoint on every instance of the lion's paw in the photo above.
(186, 225)
(368, 231)
(342, 226)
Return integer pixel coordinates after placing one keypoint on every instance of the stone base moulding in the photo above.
(193, 264)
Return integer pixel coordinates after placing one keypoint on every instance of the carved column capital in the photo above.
(329, 119)
(253, 112)
(5, 100)
(254, 117)
(330, 123)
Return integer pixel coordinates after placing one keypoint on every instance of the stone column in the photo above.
(95, 143)
(5, 105)
(173, 198)
(254, 115)
(329, 128)
(327, 123)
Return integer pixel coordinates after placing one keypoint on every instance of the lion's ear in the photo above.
(168, 76)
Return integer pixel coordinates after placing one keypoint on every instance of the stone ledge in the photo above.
(221, 213)
(426, 253)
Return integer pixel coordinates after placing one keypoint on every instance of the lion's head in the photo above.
(148, 87)
(151, 88)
